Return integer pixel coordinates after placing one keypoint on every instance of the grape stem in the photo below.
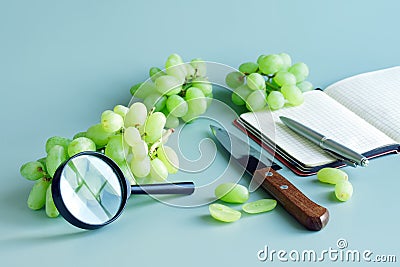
(160, 141)
(270, 85)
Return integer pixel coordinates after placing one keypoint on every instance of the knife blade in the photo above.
(308, 213)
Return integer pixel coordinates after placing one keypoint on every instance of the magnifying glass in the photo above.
(90, 190)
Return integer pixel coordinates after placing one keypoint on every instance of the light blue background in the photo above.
(63, 63)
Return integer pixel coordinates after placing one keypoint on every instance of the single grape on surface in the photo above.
(258, 206)
(331, 175)
(343, 190)
(232, 193)
(224, 213)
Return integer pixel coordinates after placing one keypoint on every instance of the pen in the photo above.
(332, 147)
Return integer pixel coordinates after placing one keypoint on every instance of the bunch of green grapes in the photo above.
(182, 90)
(271, 81)
(133, 137)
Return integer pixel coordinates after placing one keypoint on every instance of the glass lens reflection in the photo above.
(90, 189)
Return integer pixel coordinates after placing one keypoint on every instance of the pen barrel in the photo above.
(343, 151)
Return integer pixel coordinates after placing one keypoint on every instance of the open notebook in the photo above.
(361, 112)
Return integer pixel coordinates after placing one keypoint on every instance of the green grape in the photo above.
(292, 94)
(284, 77)
(121, 110)
(51, 209)
(155, 100)
(300, 71)
(197, 103)
(145, 89)
(56, 156)
(305, 86)
(232, 193)
(270, 64)
(203, 84)
(140, 168)
(275, 100)
(190, 116)
(155, 72)
(33, 170)
(170, 159)
(190, 71)
(56, 140)
(260, 58)
(234, 79)
(343, 190)
(154, 125)
(171, 122)
(287, 61)
(262, 205)
(116, 149)
(177, 71)
(168, 85)
(136, 115)
(127, 172)
(224, 213)
(98, 135)
(240, 95)
(256, 81)
(140, 150)
(248, 67)
(256, 101)
(158, 170)
(134, 88)
(37, 196)
(331, 175)
(80, 134)
(132, 135)
(43, 161)
(79, 145)
(172, 60)
(177, 106)
(200, 67)
(111, 121)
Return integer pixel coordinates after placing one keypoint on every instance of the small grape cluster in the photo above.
(133, 137)
(182, 90)
(273, 81)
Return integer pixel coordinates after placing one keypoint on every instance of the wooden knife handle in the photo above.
(308, 213)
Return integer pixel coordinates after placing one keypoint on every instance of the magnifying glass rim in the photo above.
(62, 208)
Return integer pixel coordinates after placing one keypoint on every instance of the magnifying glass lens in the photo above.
(91, 192)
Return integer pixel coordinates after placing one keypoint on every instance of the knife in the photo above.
(308, 213)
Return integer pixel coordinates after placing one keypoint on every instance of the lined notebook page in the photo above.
(325, 115)
(374, 96)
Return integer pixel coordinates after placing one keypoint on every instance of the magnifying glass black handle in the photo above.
(181, 188)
